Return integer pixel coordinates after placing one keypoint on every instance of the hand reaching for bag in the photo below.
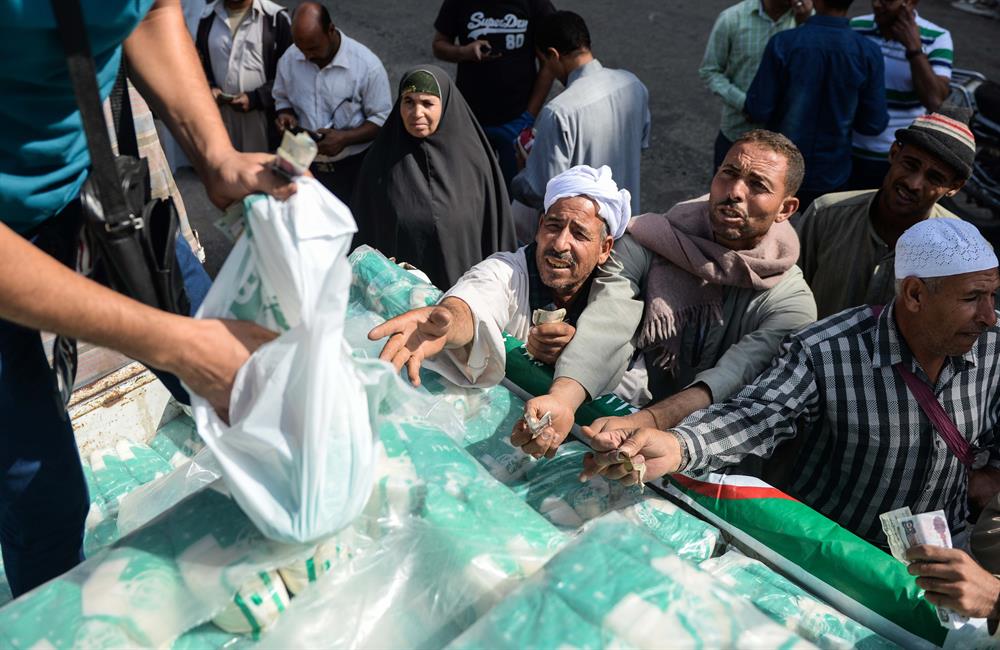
(414, 336)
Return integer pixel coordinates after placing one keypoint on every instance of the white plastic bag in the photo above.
(298, 456)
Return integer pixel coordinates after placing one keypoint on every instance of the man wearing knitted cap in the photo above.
(893, 407)
(536, 294)
(848, 238)
(716, 286)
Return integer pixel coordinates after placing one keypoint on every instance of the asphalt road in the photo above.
(661, 41)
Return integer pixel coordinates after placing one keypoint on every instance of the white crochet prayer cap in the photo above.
(615, 204)
(936, 248)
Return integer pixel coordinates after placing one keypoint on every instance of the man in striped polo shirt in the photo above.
(918, 58)
(930, 159)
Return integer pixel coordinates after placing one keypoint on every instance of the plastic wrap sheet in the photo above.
(481, 412)
(553, 488)
(450, 542)
(149, 587)
(617, 586)
(790, 606)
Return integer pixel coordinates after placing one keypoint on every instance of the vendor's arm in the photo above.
(38, 292)
(164, 66)
(422, 333)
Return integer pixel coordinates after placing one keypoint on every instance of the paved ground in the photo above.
(662, 42)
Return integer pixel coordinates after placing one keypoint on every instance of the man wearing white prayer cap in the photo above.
(535, 294)
(891, 406)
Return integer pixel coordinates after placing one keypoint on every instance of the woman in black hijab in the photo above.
(430, 191)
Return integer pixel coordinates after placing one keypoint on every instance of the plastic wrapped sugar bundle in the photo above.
(111, 478)
(384, 287)
(789, 605)
(552, 487)
(177, 441)
(616, 585)
(302, 573)
(431, 574)
(151, 587)
(693, 539)
(142, 462)
(255, 607)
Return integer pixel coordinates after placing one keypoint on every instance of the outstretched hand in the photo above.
(414, 336)
(619, 453)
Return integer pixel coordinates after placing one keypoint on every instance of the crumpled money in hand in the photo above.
(537, 425)
(634, 467)
(543, 316)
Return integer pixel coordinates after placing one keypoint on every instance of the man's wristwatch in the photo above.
(912, 54)
(685, 455)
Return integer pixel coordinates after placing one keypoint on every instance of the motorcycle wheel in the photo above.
(987, 219)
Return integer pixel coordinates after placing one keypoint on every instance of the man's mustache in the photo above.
(565, 257)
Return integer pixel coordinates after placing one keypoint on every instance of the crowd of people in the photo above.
(816, 318)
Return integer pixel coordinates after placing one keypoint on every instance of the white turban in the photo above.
(615, 204)
(940, 247)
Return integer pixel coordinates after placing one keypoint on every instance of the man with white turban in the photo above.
(717, 288)
(537, 294)
(891, 406)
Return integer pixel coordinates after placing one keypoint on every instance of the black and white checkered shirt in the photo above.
(868, 447)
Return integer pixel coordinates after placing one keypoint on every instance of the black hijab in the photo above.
(437, 202)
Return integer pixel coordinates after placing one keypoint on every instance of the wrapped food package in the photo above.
(789, 605)
(615, 585)
(256, 606)
(431, 574)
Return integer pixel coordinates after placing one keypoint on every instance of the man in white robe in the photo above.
(585, 213)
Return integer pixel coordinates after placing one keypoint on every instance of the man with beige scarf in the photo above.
(721, 290)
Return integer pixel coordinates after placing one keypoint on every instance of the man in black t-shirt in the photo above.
(497, 72)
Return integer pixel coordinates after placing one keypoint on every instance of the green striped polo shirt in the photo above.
(901, 97)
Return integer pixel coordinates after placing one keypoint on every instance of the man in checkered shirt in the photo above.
(866, 445)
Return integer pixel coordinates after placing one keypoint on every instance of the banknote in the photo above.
(537, 425)
(906, 530)
(631, 466)
(542, 316)
(295, 154)
(890, 521)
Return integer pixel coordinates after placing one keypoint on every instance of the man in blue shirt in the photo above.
(43, 164)
(815, 85)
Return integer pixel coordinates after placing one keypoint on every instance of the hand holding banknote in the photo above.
(954, 581)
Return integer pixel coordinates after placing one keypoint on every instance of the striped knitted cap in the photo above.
(944, 136)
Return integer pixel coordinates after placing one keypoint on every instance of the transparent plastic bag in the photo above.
(450, 547)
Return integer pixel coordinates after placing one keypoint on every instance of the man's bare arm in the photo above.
(38, 292)
(164, 66)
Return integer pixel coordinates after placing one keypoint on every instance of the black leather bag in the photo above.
(132, 237)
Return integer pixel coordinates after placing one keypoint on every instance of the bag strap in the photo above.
(82, 72)
(121, 115)
(932, 408)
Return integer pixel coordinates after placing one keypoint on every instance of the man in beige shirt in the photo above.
(848, 238)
